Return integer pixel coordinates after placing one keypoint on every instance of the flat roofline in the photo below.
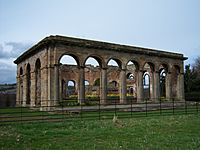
(97, 45)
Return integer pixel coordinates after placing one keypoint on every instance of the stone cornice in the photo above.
(53, 40)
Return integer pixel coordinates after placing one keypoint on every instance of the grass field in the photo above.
(155, 132)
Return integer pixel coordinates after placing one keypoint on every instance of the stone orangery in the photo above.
(41, 75)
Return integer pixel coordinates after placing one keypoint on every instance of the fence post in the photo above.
(81, 110)
(197, 107)
(146, 106)
(131, 107)
(63, 117)
(115, 108)
(173, 105)
(21, 112)
(185, 107)
(42, 112)
(99, 110)
(160, 106)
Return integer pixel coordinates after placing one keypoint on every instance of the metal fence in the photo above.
(67, 110)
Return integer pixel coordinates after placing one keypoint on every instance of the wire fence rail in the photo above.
(93, 109)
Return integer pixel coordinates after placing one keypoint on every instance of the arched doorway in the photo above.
(92, 77)
(69, 75)
(148, 81)
(71, 88)
(146, 85)
(113, 78)
(131, 79)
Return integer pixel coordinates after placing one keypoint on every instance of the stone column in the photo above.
(18, 91)
(44, 88)
(56, 84)
(151, 86)
(168, 86)
(181, 94)
(156, 85)
(33, 89)
(65, 89)
(25, 90)
(103, 86)
(51, 91)
(81, 91)
(140, 93)
(123, 89)
(60, 88)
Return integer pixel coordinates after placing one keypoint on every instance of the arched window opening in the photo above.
(113, 87)
(113, 75)
(148, 80)
(71, 89)
(28, 81)
(69, 72)
(113, 84)
(146, 85)
(97, 82)
(68, 59)
(130, 76)
(132, 65)
(163, 74)
(38, 82)
(112, 62)
(92, 73)
(88, 89)
(21, 71)
(132, 69)
(92, 61)
(87, 83)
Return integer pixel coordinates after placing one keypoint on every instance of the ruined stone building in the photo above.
(42, 80)
(92, 76)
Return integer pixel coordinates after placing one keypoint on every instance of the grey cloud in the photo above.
(16, 49)
(7, 73)
(8, 52)
(3, 54)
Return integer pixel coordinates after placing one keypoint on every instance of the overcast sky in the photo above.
(172, 25)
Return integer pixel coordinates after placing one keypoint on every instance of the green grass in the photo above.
(155, 132)
(34, 115)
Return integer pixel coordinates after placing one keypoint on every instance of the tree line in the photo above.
(192, 78)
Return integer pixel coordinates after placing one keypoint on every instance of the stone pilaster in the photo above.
(51, 83)
(168, 86)
(44, 87)
(103, 86)
(21, 90)
(33, 88)
(18, 91)
(156, 85)
(152, 87)
(65, 90)
(56, 84)
(25, 90)
(123, 89)
(140, 93)
(81, 91)
(181, 94)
